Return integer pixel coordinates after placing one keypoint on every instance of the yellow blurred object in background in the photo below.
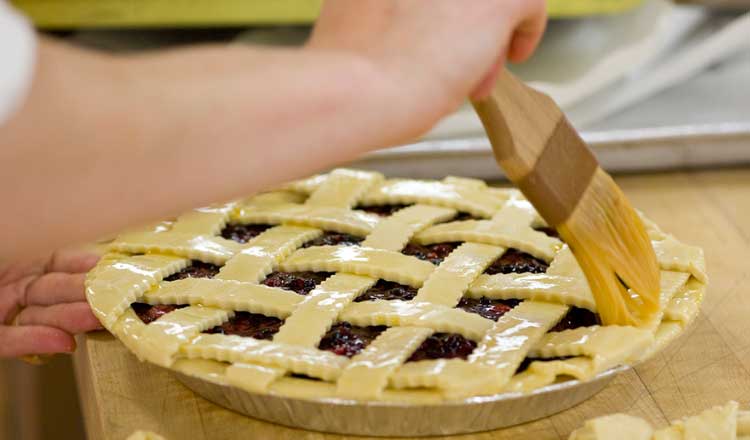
(61, 14)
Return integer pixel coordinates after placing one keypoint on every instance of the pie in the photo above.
(350, 285)
(724, 422)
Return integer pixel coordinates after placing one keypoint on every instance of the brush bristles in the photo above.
(610, 243)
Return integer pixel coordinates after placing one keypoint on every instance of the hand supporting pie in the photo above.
(42, 304)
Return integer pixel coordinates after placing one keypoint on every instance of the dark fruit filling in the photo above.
(197, 269)
(334, 239)
(383, 211)
(249, 325)
(434, 253)
(551, 232)
(387, 290)
(149, 313)
(488, 308)
(463, 216)
(299, 282)
(575, 318)
(515, 261)
(444, 346)
(388, 210)
(242, 233)
(347, 340)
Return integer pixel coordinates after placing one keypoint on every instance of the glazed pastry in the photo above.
(354, 286)
(718, 423)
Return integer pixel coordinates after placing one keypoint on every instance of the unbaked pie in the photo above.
(349, 285)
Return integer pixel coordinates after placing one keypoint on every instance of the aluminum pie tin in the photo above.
(387, 419)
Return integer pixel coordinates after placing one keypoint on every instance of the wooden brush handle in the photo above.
(537, 147)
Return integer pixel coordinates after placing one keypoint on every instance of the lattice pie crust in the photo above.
(291, 363)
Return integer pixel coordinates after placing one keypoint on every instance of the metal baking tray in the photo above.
(643, 149)
(404, 420)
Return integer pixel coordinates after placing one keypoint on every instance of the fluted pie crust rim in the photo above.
(137, 263)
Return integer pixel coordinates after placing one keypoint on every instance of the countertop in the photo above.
(708, 365)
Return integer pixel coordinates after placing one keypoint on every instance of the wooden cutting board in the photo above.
(708, 365)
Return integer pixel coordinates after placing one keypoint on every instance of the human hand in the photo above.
(42, 304)
(439, 51)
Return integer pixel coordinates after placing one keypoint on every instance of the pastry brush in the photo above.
(545, 157)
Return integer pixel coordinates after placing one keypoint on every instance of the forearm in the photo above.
(103, 143)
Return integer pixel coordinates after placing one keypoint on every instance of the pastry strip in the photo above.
(418, 314)
(459, 197)
(447, 284)
(230, 295)
(315, 315)
(343, 188)
(674, 255)
(262, 253)
(505, 346)
(394, 232)
(119, 283)
(375, 263)
(204, 221)
(368, 373)
(206, 248)
(162, 339)
(329, 218)
(302, 360)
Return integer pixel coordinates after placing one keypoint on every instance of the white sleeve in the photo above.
(17, 46)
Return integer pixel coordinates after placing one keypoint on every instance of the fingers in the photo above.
(529, 30)
(72, 318)
(485, 87)
(30, 340)
(55, 288)
(71, 261)
(530, 22)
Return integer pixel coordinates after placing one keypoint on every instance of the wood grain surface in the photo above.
(708, 365)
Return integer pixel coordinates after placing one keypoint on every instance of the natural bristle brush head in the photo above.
(610, 243)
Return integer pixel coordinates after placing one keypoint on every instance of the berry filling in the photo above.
(488, 308)
(148, 313)
(299, 282)
(249, 325)
(515, 261)
(197, 269)
(334, 239)
(443, 346)
(347, 340)
(434, 253)
(243, 233)
(463, 216)
(387, 290)
(575, 318)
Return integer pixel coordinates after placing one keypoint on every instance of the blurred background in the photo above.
(652, 85)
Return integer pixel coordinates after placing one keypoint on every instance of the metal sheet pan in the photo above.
(633, 150)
